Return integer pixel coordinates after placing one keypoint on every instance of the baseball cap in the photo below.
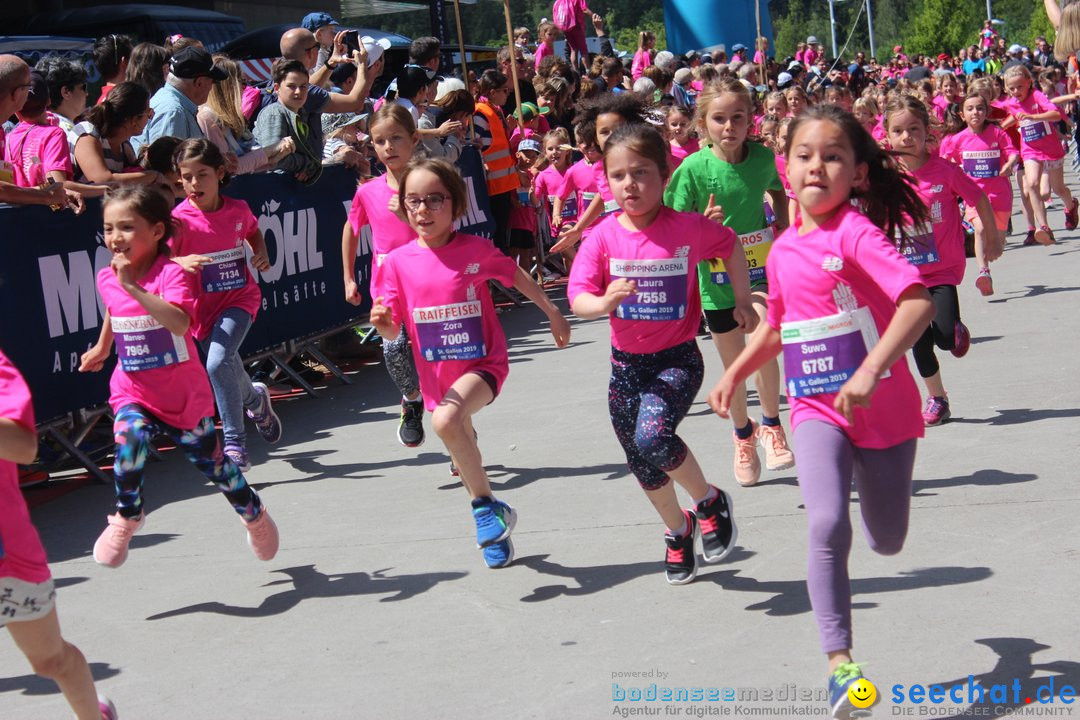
(943, 56)
(529, 110)
(812, 40)
(195, 62)
(706, 58)
(784, 79)
(529, 144)
(375, 48)
(683, 76)
(314, 21)
(336, 121)
(1015, 49)
(737, 47)
(794, 65)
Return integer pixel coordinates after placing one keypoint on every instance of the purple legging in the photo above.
(827, 464)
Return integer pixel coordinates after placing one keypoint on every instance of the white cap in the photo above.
(783, 79)
(1013, 49)
(375, 48)
(811, 40)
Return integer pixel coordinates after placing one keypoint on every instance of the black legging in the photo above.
(942, 331)
(500, 212)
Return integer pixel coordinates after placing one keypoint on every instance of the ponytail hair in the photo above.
(889, 197)
(125, 101)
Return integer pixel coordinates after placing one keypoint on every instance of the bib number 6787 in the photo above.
(811, 366)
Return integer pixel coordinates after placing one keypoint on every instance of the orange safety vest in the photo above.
(501, 169)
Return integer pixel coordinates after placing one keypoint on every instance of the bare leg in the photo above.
(1057, 182)
(1021, 185)
(729, 345)
(52, 657)
(452, 422)
(767, 379)
(934, 385)
(1032, 178)
(689, 476)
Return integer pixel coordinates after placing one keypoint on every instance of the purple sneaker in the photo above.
(266, 420)
(961, 340)
(936, 412)
(238, 454)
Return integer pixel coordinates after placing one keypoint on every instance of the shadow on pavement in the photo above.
(37, 685)
(309, 583)
(516, 477)
(1016, 416)
(1035, 291)
(979, 478)
(597, 578)
(310, 469)
(1021, 677)
(790, 596)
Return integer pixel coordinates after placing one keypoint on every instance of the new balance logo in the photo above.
(472, 268)
(831, 263)
(682, 251)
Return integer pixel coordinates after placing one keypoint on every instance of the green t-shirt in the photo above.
(740, 190)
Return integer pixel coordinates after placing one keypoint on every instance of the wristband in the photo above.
(863, 368)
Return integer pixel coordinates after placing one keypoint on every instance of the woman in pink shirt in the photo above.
(211, 232)
(27, 592)
(437, 287)
(1040, 148)
(844, 306)
(376, 205)
(639, 268)
(159, 387)
(986, 155)
(936, 247)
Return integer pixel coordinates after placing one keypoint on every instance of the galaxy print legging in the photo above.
(648, 396)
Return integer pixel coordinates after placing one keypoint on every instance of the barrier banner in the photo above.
(51, 312)
(477, 219)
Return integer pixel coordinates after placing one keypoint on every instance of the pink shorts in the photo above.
(1001, 217)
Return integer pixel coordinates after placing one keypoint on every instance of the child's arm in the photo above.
(259, 259)
(914, 311)
(588, 306)
(764, 346)
(383, 320)
(349, 244)
(560, 328)
(18, 444)
(1053, 12)
(779, 199)
(1010, 164)
(94, 359)
(172, 318)
(569, 237)
(1065, 99)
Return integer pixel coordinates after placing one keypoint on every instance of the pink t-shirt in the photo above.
(36, 150)
(662, 259)
(548, 185)
(642, 60)
(227, 282)
(388, 231)
(846, 265)
(938, 251)
(678, 153)
(1038, 138)
(940, 104)
(781, 170)
(810, 57)
(21, 554)
(580, 180)
(542, 51)
(157, 370)
(878, 133)
(442, 297)
(981, 157)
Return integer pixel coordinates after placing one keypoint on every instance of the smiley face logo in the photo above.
(862, 693)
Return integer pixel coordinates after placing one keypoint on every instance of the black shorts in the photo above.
(721, 321)
(522, 239)
(490, 380)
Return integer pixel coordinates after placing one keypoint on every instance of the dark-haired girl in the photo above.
(158, 386)
(639, 267)
(436, 286)
(844, 306)
(211, 230)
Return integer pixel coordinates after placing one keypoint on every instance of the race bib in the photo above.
(569, 209)
(920, 246)
(661, 288)
(610, 206)
(523, 197)
(451, 332)
(982, 163)
(142, 343)
(225, 272)
(1032, 130)
(586, 198)
(756, 245)
(820, 355)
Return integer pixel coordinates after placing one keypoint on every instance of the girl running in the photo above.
(208, 240)
(579, 183)
(837, 284)
(376, 203)
(27, 593)
(986, 154)
(678, 126)
(158, 387)
(735, 175)
(549, 183)
(936, 247)
(638, 268)
(1040, 147)
(437, 287)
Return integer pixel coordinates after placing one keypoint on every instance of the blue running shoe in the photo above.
(500, 554)
(494, 520)
(845, 675)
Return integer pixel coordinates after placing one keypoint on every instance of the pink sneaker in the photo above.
(961, 340)
(111, 548)
(984, 282)
(262, 536)
(747, 462)
(108, 710)
(778, 455)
